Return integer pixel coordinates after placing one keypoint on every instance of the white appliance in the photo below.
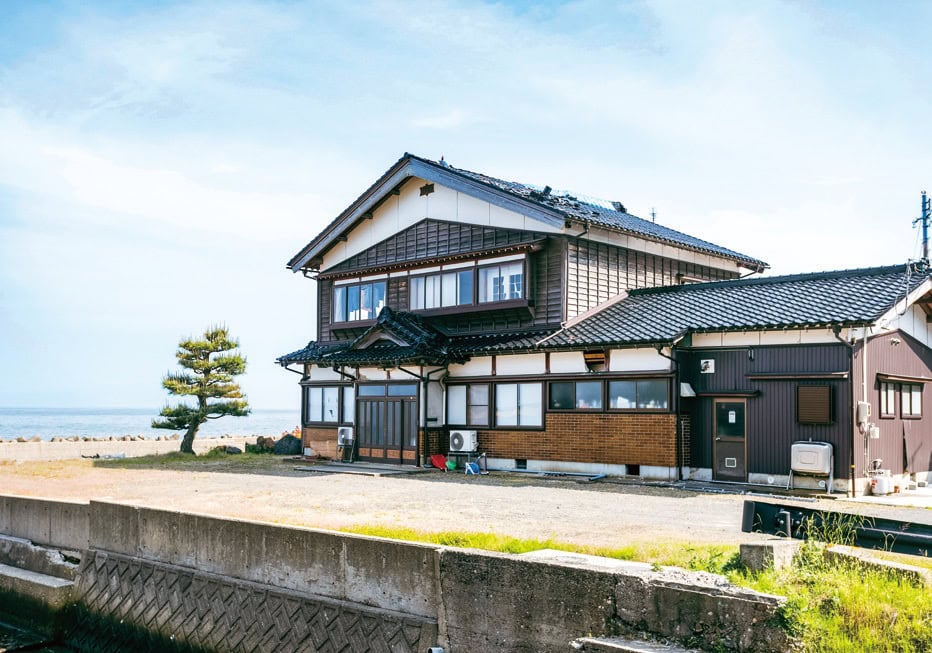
(345, 436)
(812, 458)
(463, 441)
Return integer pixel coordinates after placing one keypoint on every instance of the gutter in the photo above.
(678, 455)
(852, 411)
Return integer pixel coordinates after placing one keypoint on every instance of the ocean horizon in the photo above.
(48, 423)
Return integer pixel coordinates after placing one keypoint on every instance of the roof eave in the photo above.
(406, 167)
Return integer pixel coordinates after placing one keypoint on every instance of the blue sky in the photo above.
(160, 162)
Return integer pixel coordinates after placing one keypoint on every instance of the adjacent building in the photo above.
(574, 336)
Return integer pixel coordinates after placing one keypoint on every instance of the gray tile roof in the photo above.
(600, 213)
(652, 316)
(532, 198)
(661, 315)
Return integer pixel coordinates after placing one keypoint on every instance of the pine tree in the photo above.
(207, 378)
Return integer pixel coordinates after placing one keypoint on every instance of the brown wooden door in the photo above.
(729, 433)
(387, 424)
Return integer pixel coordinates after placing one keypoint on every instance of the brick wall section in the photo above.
(322, 440)
(618, 439)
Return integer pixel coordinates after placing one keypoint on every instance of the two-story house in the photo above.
(566, 332)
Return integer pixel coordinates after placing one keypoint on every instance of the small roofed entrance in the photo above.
(386, 420)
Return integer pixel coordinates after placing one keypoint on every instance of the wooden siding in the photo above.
(598, 271)
(432, 239)
(771, 417)
(545, 292)
(908, 358)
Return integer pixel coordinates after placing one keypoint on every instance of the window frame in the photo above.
(469, 406)
(575, 403)
(440, 274)
(636, 381)
(890, 400)
(830, 409)
(524, 282)
(493, 407)
(306, 420)
(346, 287)
(904, 395)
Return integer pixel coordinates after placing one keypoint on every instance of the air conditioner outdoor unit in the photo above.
(345, 436)
(463, 441)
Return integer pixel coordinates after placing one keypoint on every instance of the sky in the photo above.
(161, 161)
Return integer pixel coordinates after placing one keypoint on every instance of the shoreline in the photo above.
(127, 446)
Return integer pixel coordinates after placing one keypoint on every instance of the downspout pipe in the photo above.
(678, 455)
(852, 410)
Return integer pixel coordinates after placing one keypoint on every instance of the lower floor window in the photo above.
(323, 404)
(468, 405)
(519, 404)
(580, 395)
(640, 394)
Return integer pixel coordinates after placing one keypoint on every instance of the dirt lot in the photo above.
(268, 489)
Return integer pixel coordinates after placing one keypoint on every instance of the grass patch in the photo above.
(839, 606)
(700, 557)
(832, 606)
(214, 459)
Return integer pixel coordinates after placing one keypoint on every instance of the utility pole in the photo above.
(924, 218)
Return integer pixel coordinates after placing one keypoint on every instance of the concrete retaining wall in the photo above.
(465, 600)
(56, 523)
(66, 450)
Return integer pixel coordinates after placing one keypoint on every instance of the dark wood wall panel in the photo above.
(597, 272)
(324, 310)
(904, 444)
(772, 425)
(431, 238)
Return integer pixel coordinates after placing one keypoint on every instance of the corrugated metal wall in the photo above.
(771, 415)
(904, 444)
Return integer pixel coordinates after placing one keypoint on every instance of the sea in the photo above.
(48, 423)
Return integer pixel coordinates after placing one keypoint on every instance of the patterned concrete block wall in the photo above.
(128, 604)
(610, 438)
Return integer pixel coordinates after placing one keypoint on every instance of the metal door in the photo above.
(729, 432)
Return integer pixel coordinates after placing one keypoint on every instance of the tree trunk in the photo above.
(187, 442)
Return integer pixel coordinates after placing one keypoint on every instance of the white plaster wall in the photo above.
(914, 323)
(373, 374)
(520, 364)
(567, 362)
(401, 211)
(755, 338)
(473, 367)
(436, 401)
(638, 360)
(324, 374)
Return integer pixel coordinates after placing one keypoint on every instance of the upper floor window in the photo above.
(501, 282)
(360, 301)
(441, 290)
(911, 399)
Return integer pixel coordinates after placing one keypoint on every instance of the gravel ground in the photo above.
(600, 514)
